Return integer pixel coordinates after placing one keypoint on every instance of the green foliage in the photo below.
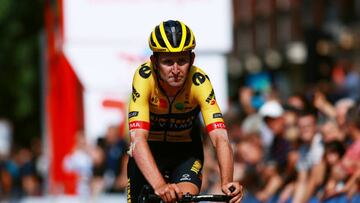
(21, 23)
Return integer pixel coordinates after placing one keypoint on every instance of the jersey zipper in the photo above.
(170, 104)
(170, 108)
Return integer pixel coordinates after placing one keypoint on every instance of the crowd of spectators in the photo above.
(100, 167)
(301, 148)
(22, 171)
(291, 152)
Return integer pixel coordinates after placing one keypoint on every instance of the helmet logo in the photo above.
(198, 78)
(145, 72)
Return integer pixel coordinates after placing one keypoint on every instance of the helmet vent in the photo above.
(188, 35)
(159, 37)
(152, 42)
(173, 34)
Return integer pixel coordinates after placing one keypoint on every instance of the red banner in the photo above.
(64, 103)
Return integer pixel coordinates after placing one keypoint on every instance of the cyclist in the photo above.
(168, 92)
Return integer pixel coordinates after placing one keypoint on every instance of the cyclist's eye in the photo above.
(182, 61)
(167, 62)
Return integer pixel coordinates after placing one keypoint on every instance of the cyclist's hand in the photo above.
(233, 189)
(169, 192)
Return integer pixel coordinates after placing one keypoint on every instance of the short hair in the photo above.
(335, 146)
(308, 112)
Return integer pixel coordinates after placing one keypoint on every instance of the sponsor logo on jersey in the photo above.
(154, 100)
(185, 177)
(145, 71)
(198, 78)
(179, 106)
(135, 94)
(177, 122)
(217, 115)
(139, 125)
(172, 124)
(133, 114)
(215, 125)
(128, 191)
(162, 103)
(158, 102)
(196, 167)
(211, 98)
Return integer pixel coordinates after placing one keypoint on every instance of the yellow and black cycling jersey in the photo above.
(172, 120)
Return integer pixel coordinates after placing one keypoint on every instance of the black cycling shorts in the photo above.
(175, 170)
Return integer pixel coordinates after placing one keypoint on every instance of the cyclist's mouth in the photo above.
(177, 78)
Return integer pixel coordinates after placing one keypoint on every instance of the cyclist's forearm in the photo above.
(146, 162)
(224, 155)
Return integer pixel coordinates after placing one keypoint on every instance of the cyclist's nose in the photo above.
(175, 68)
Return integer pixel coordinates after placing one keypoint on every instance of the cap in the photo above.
(271, 109)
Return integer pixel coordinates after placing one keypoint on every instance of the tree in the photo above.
(21, 23)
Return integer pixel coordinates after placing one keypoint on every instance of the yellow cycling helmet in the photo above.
(171, 36)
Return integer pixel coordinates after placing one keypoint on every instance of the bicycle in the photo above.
(147, 196)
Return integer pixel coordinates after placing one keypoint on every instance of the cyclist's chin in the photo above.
(175, 83)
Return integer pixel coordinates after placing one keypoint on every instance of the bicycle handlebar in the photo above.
(192, 198)
(146, 196)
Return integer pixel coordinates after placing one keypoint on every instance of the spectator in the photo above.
(341, 108)
(271, 114)
(112, 168)
(80, 162)
(277, 150)
(350, 164)
(346, 79)
(310, 155)
(334, 151)
(248, 161)
(331, 131)
(276, 146)
(9, 179)
(29, 178)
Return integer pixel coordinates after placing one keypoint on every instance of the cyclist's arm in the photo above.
(219, 138)
(144, 159)
(139, 125)
(205, 96)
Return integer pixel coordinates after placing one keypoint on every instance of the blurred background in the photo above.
(285, 73)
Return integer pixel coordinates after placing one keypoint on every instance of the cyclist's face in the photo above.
(174, 67)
